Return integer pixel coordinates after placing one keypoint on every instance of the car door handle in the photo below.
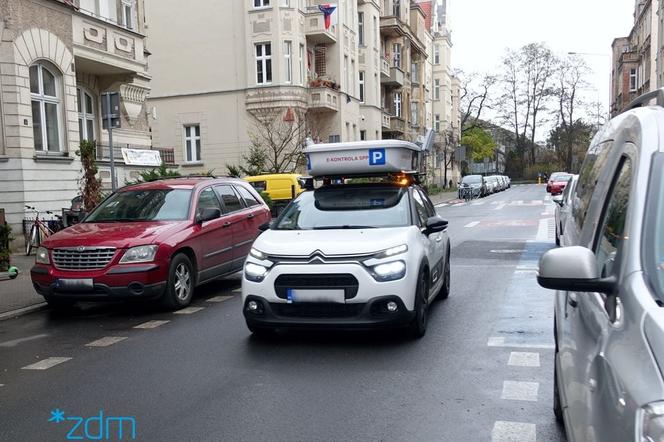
(250, 216)
(571, 300)
(226, 224)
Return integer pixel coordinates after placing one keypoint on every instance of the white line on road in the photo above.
(106, 341)
(473, 224)
(478, 203)
(504, 431)
(499, 341)
(15, 342)
(500, 206)
(237, 290)
(151, 324)
(45, 364)
(543, 230)
(442, 205)
(189, 310)
(2, 385)
(219, 299)
(520, 391)
(524, 359)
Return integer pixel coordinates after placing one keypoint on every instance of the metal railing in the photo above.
(104, 152)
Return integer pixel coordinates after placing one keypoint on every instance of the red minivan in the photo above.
(155, 240)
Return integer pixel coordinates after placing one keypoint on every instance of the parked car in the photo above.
(608, 315)
(153, 240)
(564, 207)
(476, 183)
(557, 177)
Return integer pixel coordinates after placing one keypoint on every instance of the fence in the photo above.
(104, 153)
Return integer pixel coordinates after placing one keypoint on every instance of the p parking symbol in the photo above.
(376, 157)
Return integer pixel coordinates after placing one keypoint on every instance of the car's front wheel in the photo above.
(180, 286)
(445, 289)
(418, 327)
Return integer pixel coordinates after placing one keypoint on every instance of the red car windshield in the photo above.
(143, 205)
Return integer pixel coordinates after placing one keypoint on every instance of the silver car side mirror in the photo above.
(558, 199)
(572, 269)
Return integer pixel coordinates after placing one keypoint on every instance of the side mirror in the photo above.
(558, 199)
(572, 269)
(208, 214)
(435, 224)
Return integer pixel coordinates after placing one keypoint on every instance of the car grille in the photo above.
(86, 259)
(317, 310)
(322, 281)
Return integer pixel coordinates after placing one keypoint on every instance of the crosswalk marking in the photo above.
(45, 364)
(151, 324)
(106, 341)
(219, 299)
(524, 359)
(504, 431)
(473, 224)
(189, 310)
(520, 391)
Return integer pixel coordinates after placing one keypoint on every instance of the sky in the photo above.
(483, 29)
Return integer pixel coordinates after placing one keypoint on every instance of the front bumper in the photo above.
(141, 281)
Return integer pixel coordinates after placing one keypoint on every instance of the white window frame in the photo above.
(413, 113)
(436, 89)
(264, 60)
(128, 22)
(360, 77)
(363, 134)
(436, 123)
(396, 55)
(85, 114)
(302, 65)
(260, 4)
(436, 54)
(43, 99)
(346, 70)
(360, 28)
(633, 80)
(284, 3)
(190, 135)
(288, 60)
(397, 104)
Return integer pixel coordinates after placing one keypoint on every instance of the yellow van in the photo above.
(282, 187)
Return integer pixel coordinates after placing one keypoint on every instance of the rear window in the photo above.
(472, 179)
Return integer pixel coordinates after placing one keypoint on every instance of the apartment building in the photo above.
(636, 65)
(56, 57)
(359, 74)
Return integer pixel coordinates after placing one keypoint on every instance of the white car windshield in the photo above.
(347, 207)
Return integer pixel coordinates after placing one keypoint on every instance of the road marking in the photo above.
(2, 385)
(151, 324)
(543, 230)
(15, 342)
(189, 310)
(523, 359)
(45, 364)
(106, 341)
(500, 206)
(473, 224)
(499, 341)
(219, 299)
(547, 198)
(442, 205)
(504, 431)
(520, 391)
(478, 203)
(237, 290)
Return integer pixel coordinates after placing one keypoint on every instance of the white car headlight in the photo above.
(257, 254)
(390, 271)
(139, 254)
(403, 248)
(41, 257)
(254, 272)
(652, 422)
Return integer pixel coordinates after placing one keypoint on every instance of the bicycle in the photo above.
(467, 194)
(38, 230)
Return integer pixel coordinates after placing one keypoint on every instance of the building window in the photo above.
(128, 13)
(192, 143)
(396, 8)
(46, 107)
(263, 63)
(335, 139)
(361, 83)
(302, 64)
(436, 89)
(86, 114)
(261, 3)
(436, 124)
(346, 77)
(397, 104)
(413, 113)
(436, 54)
(376, 31)
(363, 135)
(633, 85)
(284, 3)
(396, 51)
(360, 27)
(288, 61)
(352, 77)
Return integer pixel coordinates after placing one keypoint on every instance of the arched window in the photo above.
(86, 114)
(45, 92)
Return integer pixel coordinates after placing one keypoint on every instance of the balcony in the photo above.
(386, 120)
(384, 68)
(104, 153)
(629, 57)
(391, 26)
(395, 79)
(102, 47)
(323, 99)
(314, 27)
(397, 125)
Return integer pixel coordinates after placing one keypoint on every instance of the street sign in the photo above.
(110, 109)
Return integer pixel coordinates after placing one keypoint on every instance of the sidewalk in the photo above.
(443, 197)
(18, 294)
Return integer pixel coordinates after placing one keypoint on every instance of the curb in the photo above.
(22, 311)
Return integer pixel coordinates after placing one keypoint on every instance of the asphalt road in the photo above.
(483, 372)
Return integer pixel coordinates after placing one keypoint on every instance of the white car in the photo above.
(349, 256)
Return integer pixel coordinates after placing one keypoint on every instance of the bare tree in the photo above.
(474, 98)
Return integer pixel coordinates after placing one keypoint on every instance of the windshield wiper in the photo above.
(343, 227)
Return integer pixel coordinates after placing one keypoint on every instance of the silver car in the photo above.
(564, 207)
(609, 302)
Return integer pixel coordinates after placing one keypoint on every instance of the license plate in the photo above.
(303, 295)
(75, 285)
